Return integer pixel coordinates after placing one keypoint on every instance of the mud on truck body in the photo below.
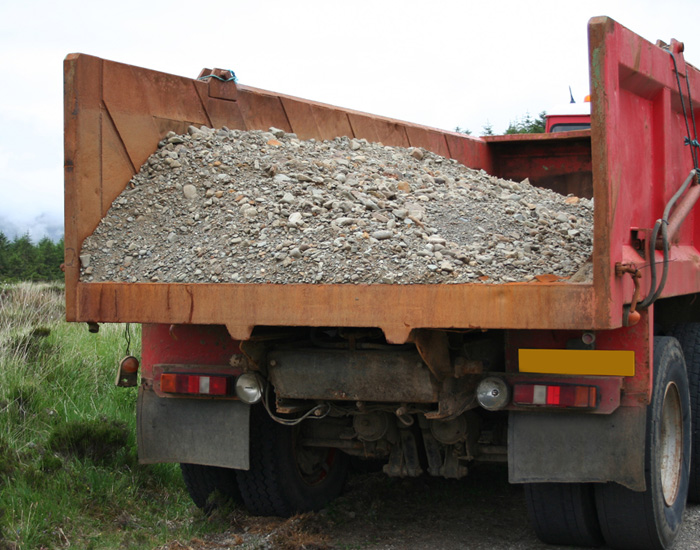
(585, 389)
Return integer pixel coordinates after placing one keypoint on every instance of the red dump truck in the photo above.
(587, 390)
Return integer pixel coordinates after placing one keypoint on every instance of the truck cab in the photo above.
(569, 117)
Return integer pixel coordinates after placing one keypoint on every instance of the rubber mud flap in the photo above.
(192, 431)
(577, 447)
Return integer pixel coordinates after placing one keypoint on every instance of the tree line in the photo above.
(22, 260)
(523, 125)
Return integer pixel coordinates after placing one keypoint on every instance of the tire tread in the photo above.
(564, 513)
(202, 481)
(688, 335)
(260, 486)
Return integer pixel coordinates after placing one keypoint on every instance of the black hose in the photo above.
(662, 224)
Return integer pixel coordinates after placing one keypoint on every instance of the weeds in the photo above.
(98, 440)
(69, 476)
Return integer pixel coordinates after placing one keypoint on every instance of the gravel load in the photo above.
(266, 207)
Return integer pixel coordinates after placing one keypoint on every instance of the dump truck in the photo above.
(587, 389)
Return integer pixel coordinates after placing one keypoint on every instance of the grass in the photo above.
(69, 475)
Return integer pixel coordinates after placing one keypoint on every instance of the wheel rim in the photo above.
(671, 439)
(313, 464)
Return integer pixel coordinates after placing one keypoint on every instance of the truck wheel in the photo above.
(201, 482)
(688, 335)
(651, 519)
(563, 513)
(286, 478)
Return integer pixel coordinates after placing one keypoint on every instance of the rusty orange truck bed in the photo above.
(116, 114)
(271, 386)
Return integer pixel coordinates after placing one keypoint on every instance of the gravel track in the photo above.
(480, 512)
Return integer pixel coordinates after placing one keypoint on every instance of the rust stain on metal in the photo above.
(434, 350)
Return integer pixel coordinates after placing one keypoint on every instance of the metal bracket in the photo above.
(638, 240)
(456, 396)
(630, 313)
(404, 461)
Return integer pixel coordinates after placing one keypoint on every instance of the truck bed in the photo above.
(632, 161)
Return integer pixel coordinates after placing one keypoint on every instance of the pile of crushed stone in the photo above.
(266, 207)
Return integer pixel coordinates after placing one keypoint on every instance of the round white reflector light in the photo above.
(493, 394)
(249, 388)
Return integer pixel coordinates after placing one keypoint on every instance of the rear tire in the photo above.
(563, 513)
(651, 519)
(688, 335)
(203, 481)
(285, 478)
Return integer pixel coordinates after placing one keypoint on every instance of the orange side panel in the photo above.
(380, 130)
(115, 116)
(396, 309)
(309, 120)
(117, 165)
(224, 113)
(262, 110)
(432, 140)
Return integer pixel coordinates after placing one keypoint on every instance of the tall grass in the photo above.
(69, 475)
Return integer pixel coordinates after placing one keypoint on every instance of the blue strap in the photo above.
(233, 77)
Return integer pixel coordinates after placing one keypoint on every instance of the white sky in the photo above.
(439, 63)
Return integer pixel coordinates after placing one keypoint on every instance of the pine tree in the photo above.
(22, 259)
(528, 125)
(47, 267)
(4, 252)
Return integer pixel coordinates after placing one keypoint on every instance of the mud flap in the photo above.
(578, 448)
(193, 431)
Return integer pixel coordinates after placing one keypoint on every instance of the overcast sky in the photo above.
(438, 63)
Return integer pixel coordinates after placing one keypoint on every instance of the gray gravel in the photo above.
(480, 512)
(254, 207)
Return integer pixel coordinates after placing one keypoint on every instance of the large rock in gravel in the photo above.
(266, 207)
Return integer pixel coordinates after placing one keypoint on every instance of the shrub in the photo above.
(99, 440)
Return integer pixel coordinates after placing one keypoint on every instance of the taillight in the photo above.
(196, 384)
(553, 395)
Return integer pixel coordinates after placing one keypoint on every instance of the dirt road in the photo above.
(482, 512)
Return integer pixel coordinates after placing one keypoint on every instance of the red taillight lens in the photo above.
(218, 385)
(553, 395)
(192, 384)
(584, 397)
(196, 384)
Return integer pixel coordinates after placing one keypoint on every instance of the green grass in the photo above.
(69, 475)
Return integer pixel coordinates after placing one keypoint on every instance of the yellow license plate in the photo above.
(574, 361)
